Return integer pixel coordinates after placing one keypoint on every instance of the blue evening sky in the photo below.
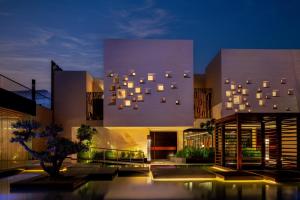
(70, 32)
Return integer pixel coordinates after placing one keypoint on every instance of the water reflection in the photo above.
(143, 187)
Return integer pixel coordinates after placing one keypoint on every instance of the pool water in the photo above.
(145, 188)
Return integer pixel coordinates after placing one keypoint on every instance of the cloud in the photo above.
(144, 21)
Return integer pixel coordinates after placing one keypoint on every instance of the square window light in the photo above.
(147, 91)
(259, 95)
(261, 102)
(237, 99)
(242, 107)
(140, 97)
(229, 105)
(130, 84)
(138, 90)
(266, 84)
(245, 91)
(124, 83)
(160, 87)
(275, 93)
(239, 86)
(121, 93)
(127, 102)
(151, 77)
(232, 86)
(290, 91)
(228, 93)
(233, 92)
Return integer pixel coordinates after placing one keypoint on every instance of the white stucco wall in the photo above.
(151, 56)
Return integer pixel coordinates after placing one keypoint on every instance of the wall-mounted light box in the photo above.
(266, 84)
(121, 93)
(127, 102)
(130, 84)
(151, 77)
(140, 97)
(160, 87)
(138, 90)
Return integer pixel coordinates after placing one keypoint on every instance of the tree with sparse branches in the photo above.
(57, 147)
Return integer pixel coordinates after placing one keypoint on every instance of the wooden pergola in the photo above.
(258, 140)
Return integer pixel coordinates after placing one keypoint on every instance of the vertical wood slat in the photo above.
(223, 145)
(239, 145)
(278, 143)
(298, 142)
(263, 144)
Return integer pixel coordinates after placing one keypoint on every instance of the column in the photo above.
(239, 145)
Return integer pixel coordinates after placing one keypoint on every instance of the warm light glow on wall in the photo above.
(130, 84)
(127, 102)
(151, 76)
(275, 93)
(229, 105)
(138, 90)
(237, 99)
(228, 93)
(140, 97)
(290, 91)
(121, 93)
(245, 91)
(266, 84)
(242, 106)
(261, 102)
(160, 87)
(258, 95)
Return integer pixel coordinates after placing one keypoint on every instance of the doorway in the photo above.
(163, 143)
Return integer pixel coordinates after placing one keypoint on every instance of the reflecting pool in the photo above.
(145, 188)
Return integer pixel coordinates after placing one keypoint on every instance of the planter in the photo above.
(178, 160)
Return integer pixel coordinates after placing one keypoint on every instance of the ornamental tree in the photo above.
(57, 147)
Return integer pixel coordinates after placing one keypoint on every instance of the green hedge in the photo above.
(201, 153)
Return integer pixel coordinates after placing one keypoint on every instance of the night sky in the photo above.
(70, 32)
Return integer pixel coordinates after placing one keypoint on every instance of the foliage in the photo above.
(196, 153)
(209, 125)
(251, 152)
(57, 147)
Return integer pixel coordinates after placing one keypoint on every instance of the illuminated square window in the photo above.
(259, 95)
(242, 107)
(140, 97)
(160, 87)
(151, 77)
(130, 84)
(266, 84)
(261, 102)
(121, 93)
(237, 99)
(229, 105)
(127, 102)
(275, 93)
(245, 91)
(228, 93)
(138, 90)
(232, 86)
